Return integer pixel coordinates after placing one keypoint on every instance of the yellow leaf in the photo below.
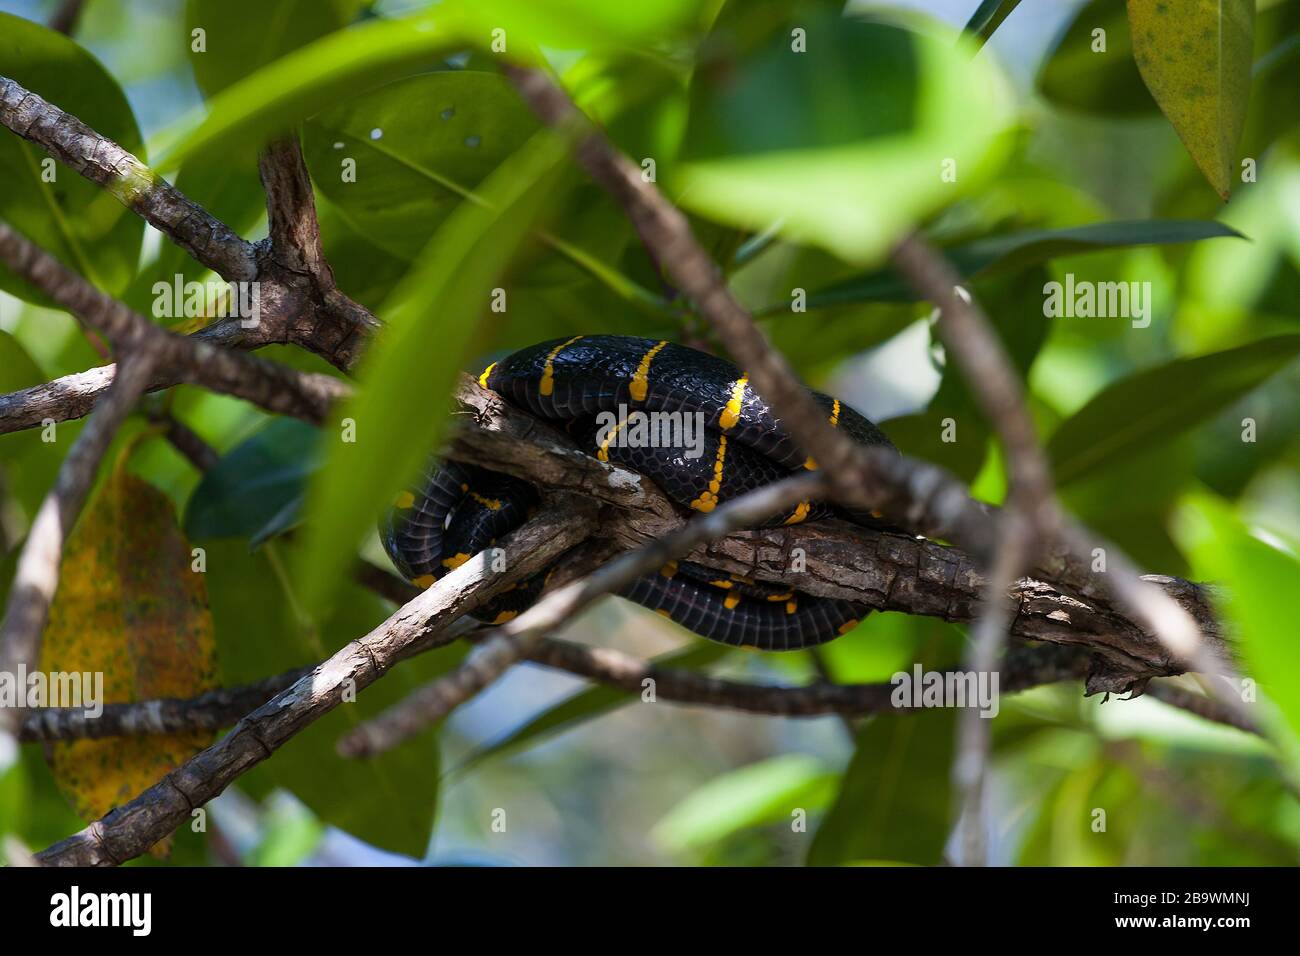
(1194, 56)
(128, 607)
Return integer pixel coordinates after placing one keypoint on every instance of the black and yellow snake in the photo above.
(594, 385)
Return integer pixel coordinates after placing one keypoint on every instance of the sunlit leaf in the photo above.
(407, 375)
(846, 145)
(287, 91)
(1258, 581)
(763, 792)
(59, 210)
(1195, 59)
(130, 606)
(572, 24)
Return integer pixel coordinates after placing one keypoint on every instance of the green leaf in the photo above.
(362, 269)
(988, 16)
(573, 24)
(310, 79)
(1095, 73)
(407, 375)
(1258, 595)
(262, 629)
(581, 707)
(290, 835)
(240, 36)
(842, 146)
(893, 802)
(72, 218)
(254, 482)
(419, 145)
(1158, 404)
(1019, 250)
(395, 173)
(760, 793)
(1195, 59)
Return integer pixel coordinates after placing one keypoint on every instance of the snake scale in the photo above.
(595, 386)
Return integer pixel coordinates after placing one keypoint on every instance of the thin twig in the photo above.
(292, 225)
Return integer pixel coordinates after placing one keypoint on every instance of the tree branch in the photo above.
(516, 639)
(130, 181)
(274, 387)
(885, 570)
(1022, 668)
(291, 213)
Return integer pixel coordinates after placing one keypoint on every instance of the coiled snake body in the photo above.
(456, 510)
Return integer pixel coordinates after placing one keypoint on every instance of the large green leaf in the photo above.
(1195, 59)
(1258, 597)
(254, 482)
(842, 146)
(346, 62)
(312, 78)
(893, 802)
(1019, 250)
(395, 172)
(760, 793)
(406, 377)
(1158, 404)
(240, 36)
(1094, 72)
(573, 24)
(71, 217)
(419, 145)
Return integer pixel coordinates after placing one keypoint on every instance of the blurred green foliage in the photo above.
(802, 143)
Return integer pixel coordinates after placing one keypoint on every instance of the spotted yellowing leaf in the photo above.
(1195, 59)
(131, 608)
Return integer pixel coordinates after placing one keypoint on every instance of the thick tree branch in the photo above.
(129, 830)
(516, 639)
(291, 213)
(887, 571)
(130, 181)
